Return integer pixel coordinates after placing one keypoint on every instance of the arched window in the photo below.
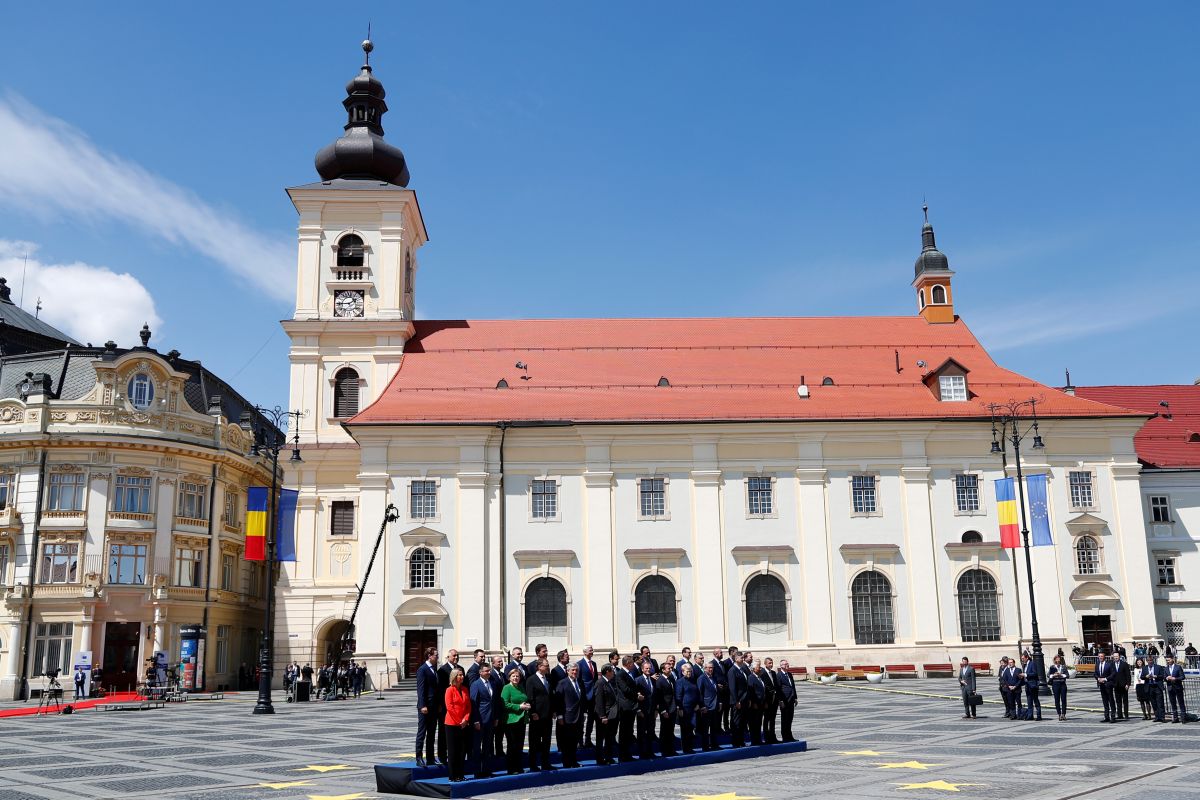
(345, 393)
(939, 295)
(422, 569)
(978, 610)
(141, 391)
(871, 599)
(545, 610)
(351, 252)
(408, 272)
(921, 297)
(972, 537)
(1087, 556)
(766, 605)
(654, 607)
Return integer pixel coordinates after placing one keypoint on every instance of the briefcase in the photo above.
(974, 698)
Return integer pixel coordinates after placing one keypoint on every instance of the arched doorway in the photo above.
(325, 645)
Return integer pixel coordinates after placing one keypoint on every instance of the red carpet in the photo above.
(81, 705)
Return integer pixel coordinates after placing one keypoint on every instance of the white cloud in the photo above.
(89, 303)
(46, 166)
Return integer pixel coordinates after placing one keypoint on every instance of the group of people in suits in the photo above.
(1155, 685)
(632, 704)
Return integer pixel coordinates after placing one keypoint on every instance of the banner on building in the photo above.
(256, 523)
(1006, 510)
(285, 540)
(1039, 510)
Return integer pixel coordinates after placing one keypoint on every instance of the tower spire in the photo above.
(931, 277)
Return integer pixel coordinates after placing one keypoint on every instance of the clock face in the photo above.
(348, 303)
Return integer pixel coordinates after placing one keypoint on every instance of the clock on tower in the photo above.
(348, 303)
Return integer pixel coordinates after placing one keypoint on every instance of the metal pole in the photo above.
(1039, 657)
(1016, 578)
(264, 706)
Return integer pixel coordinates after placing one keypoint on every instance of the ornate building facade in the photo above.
(123, 477)
(820, 488)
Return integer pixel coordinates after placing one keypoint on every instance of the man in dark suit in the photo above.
(480, 658)
(516, 663)
(608, 713)
(588, 675)
(1029, 677)
(757, 695)
(727, 701)
(485, 710)
(645, 651)
(739, 701)
(771, 702)
(1010, 684)
(541, 717)
(570, 708)
(540, 652)
(708, 711)
(1106, 681)
(427, 707)
(1121, 687)
(664, 704)
(787, 701)
(1173, 678)
(1154, 676)
(443, 684)
(559, 672)
(628, 699)
(645, 711)
(497, 677)
(966, 685)
(685, 657)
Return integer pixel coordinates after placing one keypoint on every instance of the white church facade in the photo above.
(819, 488)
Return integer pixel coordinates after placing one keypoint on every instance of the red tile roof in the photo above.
(1161, 442)
(724, 369)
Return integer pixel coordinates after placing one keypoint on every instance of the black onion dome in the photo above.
(931, 259)
(361, 153)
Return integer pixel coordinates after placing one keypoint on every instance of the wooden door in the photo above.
(1097, 630)
(415, 642)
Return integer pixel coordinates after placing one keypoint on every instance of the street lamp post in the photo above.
(1009, 416)
(269, 443)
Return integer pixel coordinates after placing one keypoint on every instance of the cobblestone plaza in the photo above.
(903, 742)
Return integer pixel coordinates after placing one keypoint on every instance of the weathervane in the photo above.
(367, 46)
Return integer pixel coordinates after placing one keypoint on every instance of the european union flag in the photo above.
(285, 541)
(1039, 510)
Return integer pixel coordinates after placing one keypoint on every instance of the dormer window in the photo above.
(351, 251)
(141, 391)
(953, 387)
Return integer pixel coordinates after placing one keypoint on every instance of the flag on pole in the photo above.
(1006, 509)
(256, 523)
(285, 539)
(1039, 510)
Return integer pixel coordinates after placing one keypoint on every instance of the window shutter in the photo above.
(345, 394)
(341, 518)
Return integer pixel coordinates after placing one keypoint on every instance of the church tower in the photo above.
(932, 279)
(360, 230)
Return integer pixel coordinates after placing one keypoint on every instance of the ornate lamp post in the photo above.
(1007, 419)
(268, 443)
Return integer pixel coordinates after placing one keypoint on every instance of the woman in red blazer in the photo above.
(458, 718)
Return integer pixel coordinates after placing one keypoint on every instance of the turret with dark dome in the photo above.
(931, 259)
(931, 278)
(361, 153)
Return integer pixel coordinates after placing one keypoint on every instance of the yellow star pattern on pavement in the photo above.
(286, 784)
(355, 796)
(938, 785)
(861, 753)
(320, 768)
(906, 765)
(725, 796)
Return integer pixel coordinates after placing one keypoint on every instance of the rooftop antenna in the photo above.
(24, 269)
(38, 308)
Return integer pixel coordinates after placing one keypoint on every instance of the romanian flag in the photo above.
(256, 523)
(1006, 509)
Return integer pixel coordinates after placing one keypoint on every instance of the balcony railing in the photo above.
(190, 522)
(131, 515)
(62, 514)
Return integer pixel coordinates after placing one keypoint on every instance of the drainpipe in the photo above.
(503, 545)
(23, 688)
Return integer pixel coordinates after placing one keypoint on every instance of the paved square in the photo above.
(864, 743)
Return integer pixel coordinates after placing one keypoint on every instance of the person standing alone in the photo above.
(966, 685)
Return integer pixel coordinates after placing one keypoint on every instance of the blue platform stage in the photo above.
(406, 778)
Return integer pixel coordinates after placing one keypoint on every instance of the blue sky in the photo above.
(623, 159)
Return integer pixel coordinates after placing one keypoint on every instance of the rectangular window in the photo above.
(228, 568)
(60, 563)
(862, 492)
(953, 387)
(1160, 508)
(1173, 632)
(341, 518)
(222, 649)
(232, 507)
(760, 496)
(255, 580)
(127, 564)
(545, 499)
(652, 497)
(422, 500)
(52, 647)
(6, 482)
(1166, 570)
(1081, 490)
(66, 492)
(189, 567)
(131, 495)
(193, 500)
(5, 557)
(966, 492)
